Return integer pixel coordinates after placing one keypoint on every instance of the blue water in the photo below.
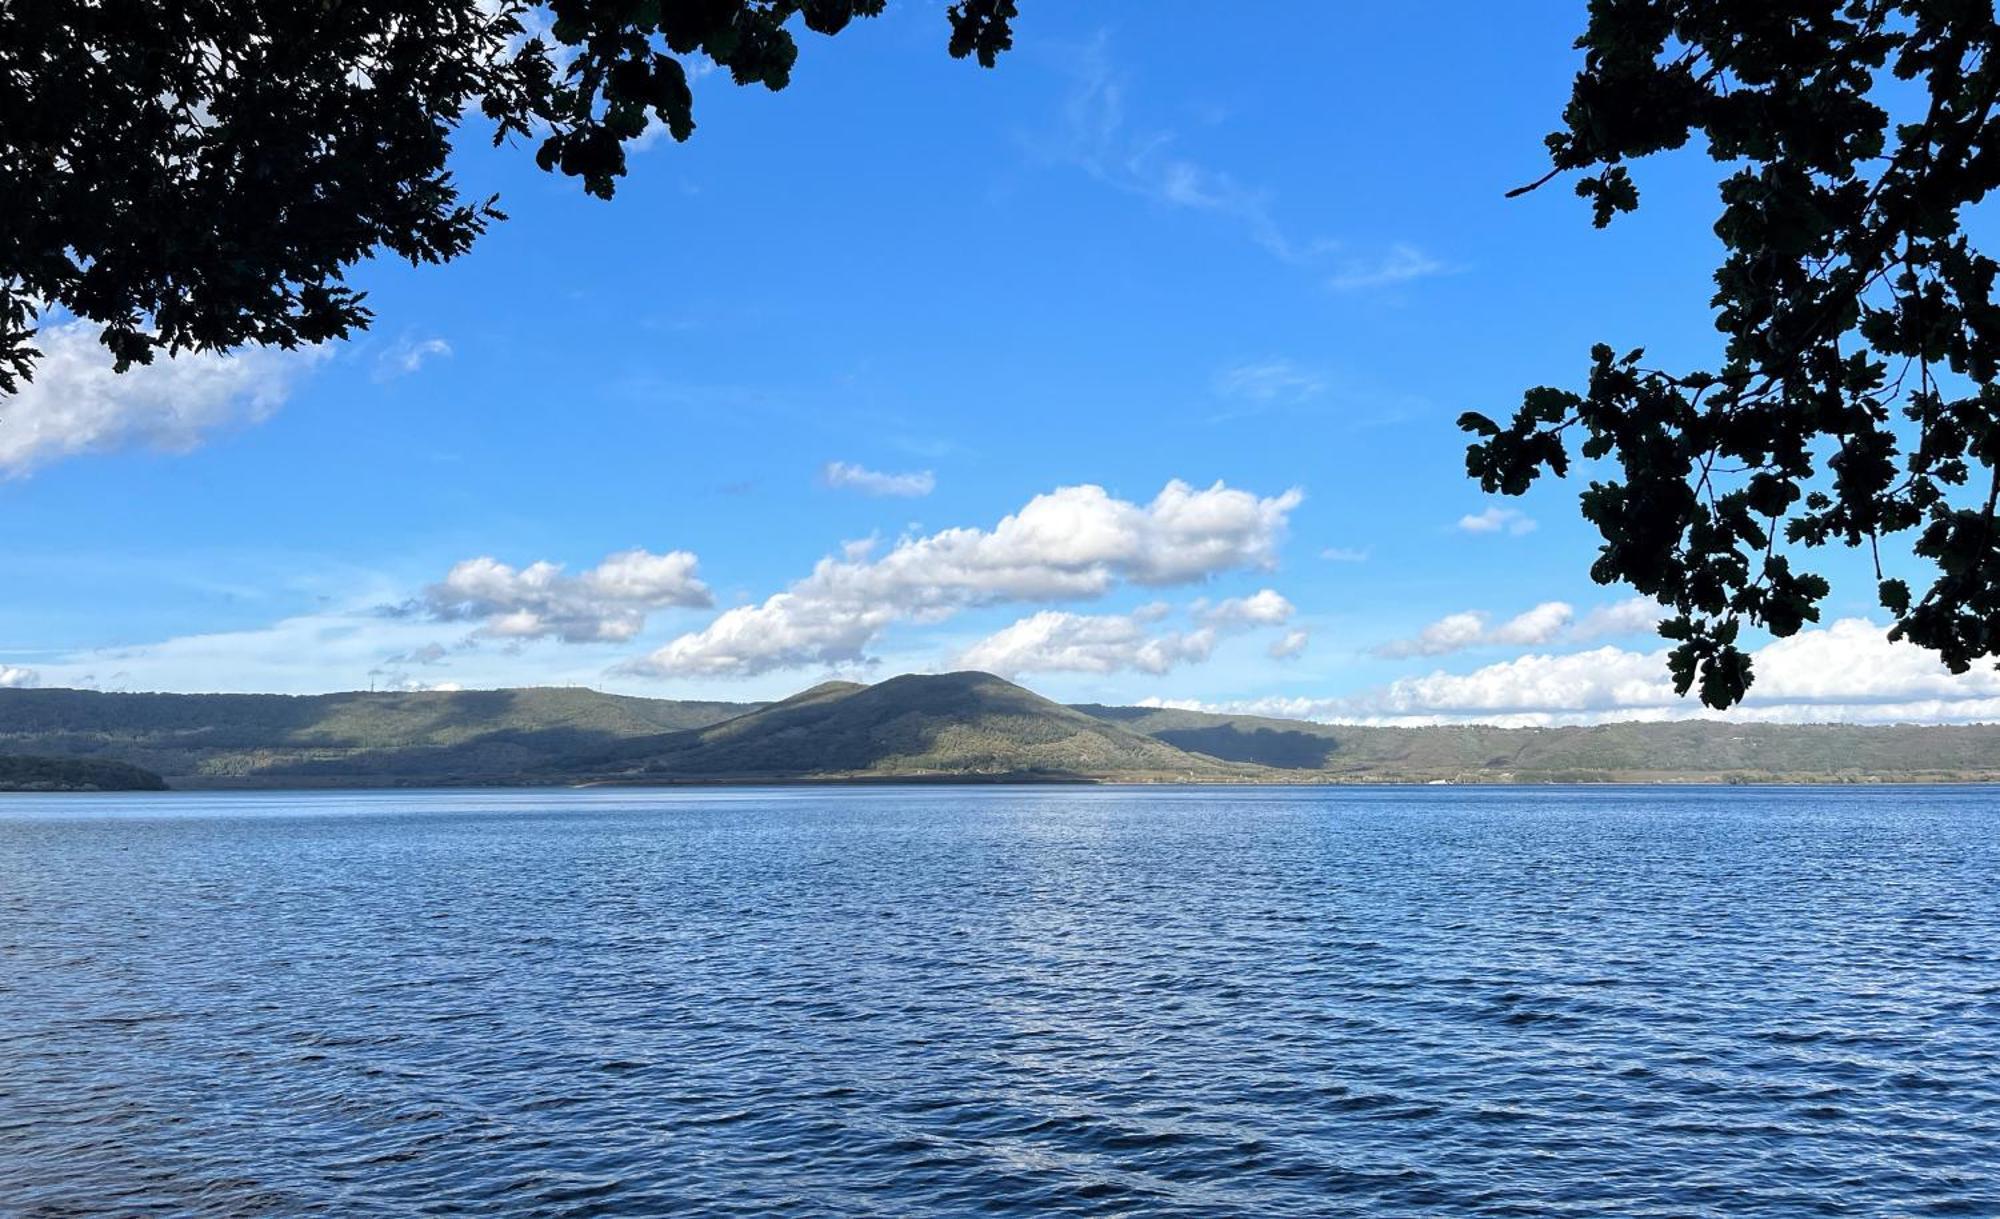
(1002, 1001)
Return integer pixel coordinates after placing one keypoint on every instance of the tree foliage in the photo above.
(201, 175)
(1854, 397)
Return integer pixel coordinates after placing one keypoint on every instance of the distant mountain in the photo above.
(1682, 751)
(961, 726)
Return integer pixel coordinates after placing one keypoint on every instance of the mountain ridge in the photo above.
(953, 726)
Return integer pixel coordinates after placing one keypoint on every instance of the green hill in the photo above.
(960, 725)
(969, 726)
(378, 738)
(1636, 752)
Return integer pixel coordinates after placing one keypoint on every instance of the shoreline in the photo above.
(196, 783)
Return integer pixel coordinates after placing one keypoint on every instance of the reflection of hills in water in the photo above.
(955, 725)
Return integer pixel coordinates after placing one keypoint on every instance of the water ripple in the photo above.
(1002, 1002)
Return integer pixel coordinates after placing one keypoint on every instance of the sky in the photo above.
(1127, 369)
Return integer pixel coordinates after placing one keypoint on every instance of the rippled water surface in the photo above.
(948, 1001)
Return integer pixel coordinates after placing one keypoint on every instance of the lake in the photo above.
(1004, 1001)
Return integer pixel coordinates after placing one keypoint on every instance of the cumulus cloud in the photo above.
(1053, 642)
(848, 476)
(1057, 642)
(1632, 616)
(607, 603)
(1289, 646)
(1849, 672)
(1073, 543)
(1549, 622)
(1498, 520)
(1264, 607)
(407, 356)
(14, 677)
(1471, 629)
(76, 404)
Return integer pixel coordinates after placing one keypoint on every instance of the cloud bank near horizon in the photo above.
(1847, 672)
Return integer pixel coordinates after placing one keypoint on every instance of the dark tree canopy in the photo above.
(201, 175)
(1855, 396)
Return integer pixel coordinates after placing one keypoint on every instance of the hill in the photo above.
(968, 726)
(366, 738)
(26, 773)
(959, 725)
(1684, 751)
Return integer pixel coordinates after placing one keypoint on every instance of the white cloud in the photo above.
(1290, 646)
(1545, 622)
(1549, 622)
(1057, 642)
(14, 677)
(1448, 634)
(1268, 381)
(1496, 520)
(1264, 607)
(1069, 544)
(76, 404)
(1343, 554)
(1848, 672)
(847, 475)
(1633, 616)
(607, 603)
(406, 356)
(1400, 265)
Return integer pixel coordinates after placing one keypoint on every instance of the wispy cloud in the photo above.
(845, 475)
(1344, 554)
(1400, 265)
(1268, 381)
(1096, 135)
(406, 356)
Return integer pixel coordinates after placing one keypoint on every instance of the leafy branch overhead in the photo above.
(1855, 394)
(201, 176)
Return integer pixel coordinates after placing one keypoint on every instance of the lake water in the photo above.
(946, 1001)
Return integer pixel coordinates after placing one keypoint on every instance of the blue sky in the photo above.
(1258, 266)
